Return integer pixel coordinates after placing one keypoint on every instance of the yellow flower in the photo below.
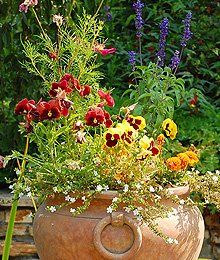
(193, 159)
(128, 132)
(170, 128)
(112, 136)
(184, 160)
(174, 163)
(146, 142)
(143, 154)
(137, 122)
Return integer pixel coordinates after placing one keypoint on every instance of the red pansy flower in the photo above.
(60, 89)
(112, 139)
(193, 101)
(108, 122)
(73, 83)
(95, 116)
(108, 98)
(24, 106)
(85, 90)
(48, 111)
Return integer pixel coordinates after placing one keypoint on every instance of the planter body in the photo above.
(97, 235)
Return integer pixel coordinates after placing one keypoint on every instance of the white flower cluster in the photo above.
(70, 199)
(172, 241)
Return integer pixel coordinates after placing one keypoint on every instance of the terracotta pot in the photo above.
(97, 235)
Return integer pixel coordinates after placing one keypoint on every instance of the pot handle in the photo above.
(117, 219)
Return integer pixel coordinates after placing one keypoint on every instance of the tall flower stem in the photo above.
(140, 50)
(10, 228)
(39, 23)
(180, 57)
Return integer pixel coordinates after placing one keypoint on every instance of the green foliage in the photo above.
(157, 93)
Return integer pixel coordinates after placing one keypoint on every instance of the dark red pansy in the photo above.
(108, 122)
(111, 139)
(48, 111)
(109, 100)
(58, 88)
(194, 101)
(101, 93)
(85, 90)
(24, 106)
(95, 116)
(61, 105)
(107, 97)
(72, 82)
(155, 151)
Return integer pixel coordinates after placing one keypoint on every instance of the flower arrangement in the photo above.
(83, 150)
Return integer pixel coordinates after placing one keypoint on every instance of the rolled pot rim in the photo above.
(179, 191)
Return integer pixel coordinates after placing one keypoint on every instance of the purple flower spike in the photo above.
(175, 60)
(139, 22)
(132, 58)
(164, 29)
(187, 33)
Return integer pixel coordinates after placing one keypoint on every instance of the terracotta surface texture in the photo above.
(97, 235)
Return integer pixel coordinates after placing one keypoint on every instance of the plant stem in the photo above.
(10, 228)
(35, 14)
(181, 54)
(140, 50)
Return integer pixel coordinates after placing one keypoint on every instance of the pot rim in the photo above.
(179, 191)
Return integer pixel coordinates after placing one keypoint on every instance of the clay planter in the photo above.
(97, 235)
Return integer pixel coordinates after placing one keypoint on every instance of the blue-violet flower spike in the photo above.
(175, 60)
(164, 29)
(139, 22)
(132, 58)
(187, 33)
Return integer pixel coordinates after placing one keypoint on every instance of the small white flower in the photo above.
(115, 199)
(127, 209)
(106, 188)
(182, 202)
(72, 210)
(136, 212)
(29, 194)
(139, 218)
(95, 173)
(72, 200)
(52, 209)
(20, 194)
(67, 198)
(65, 192)
(152, 189)
(175, 241)
(215, 178)
(109, 209)
(138, 186)
(119, 181)
(170, 240)
(28, 189)
(126, 187)
(11, 187)
(18, 172)
(99, 188)
(83, 198)
(58, 19)
(55, 189)
(217, 172)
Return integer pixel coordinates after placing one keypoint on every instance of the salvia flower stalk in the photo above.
(164, 30)
(187, 32)
(139, 21)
